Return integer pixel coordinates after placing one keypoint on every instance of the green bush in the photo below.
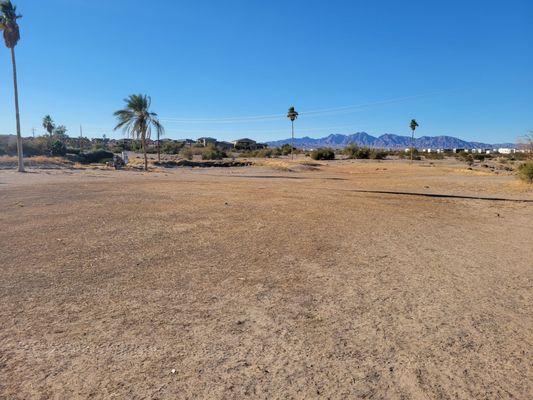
(285, 150)
(186, 153)
(171, 147)
(407, 155)
(525, 172)
(212, 153)
(39, 146)
(354, 151)
(71, 150)
(378, 154)
(323, 154)
(58, 148)
(466, 157)
(98, 156)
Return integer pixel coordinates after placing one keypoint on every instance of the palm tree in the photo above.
(413, 126)
(292, 115)
(11, 35)
(48, 125)
(136, 120)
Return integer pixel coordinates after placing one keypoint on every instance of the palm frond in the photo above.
(9, 16)
(136, 120)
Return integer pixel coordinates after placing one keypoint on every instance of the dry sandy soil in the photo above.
(266, 283)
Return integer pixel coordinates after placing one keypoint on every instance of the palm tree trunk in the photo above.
(292, 140)
(143, 143)
(158, 152)
(412, 144)
(19, 137)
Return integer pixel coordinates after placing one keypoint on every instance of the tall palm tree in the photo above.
(137, 121)
(292, 115)
(413, 126)
(11, 35)
(48, 125)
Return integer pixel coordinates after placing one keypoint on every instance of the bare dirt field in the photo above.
(341, 280)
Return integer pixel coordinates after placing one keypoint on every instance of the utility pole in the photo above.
(81, 136)
(33, 132)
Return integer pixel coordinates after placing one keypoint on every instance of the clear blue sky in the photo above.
(461, 68)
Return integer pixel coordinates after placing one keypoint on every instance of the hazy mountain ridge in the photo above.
(387, 141)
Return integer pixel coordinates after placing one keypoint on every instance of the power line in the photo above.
(316, 112)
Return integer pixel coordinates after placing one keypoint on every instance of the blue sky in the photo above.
(461, 68)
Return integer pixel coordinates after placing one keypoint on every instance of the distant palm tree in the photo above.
(136, 120)
(292, 115)
(11, 35)
(413, 126)
(48, 125)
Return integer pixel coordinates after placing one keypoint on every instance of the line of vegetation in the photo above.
(364, 153)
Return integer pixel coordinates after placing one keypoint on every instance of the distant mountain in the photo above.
(387, 141)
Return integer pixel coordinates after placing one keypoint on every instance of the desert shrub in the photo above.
(212, 153)
(525, 172)
(362, 153)
(58, 148)
(479, 157)
(517, 156)
(72, 150)
(97, 156)
(378, 154)
(285, 150)
(354, 151)
(262, 153)
(117, 148)
(171, 147)
(407, 155)
(434, 156)
(186, 153)
(466, 157)
(39, 146)
(323, 154)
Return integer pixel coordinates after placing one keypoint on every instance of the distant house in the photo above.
(205, 141)
(247, 144)
(187, 142)
(225, 146)
(505, 150)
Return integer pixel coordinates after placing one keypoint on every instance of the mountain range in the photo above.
(387, 141)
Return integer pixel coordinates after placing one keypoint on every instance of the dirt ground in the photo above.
(270, 282)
